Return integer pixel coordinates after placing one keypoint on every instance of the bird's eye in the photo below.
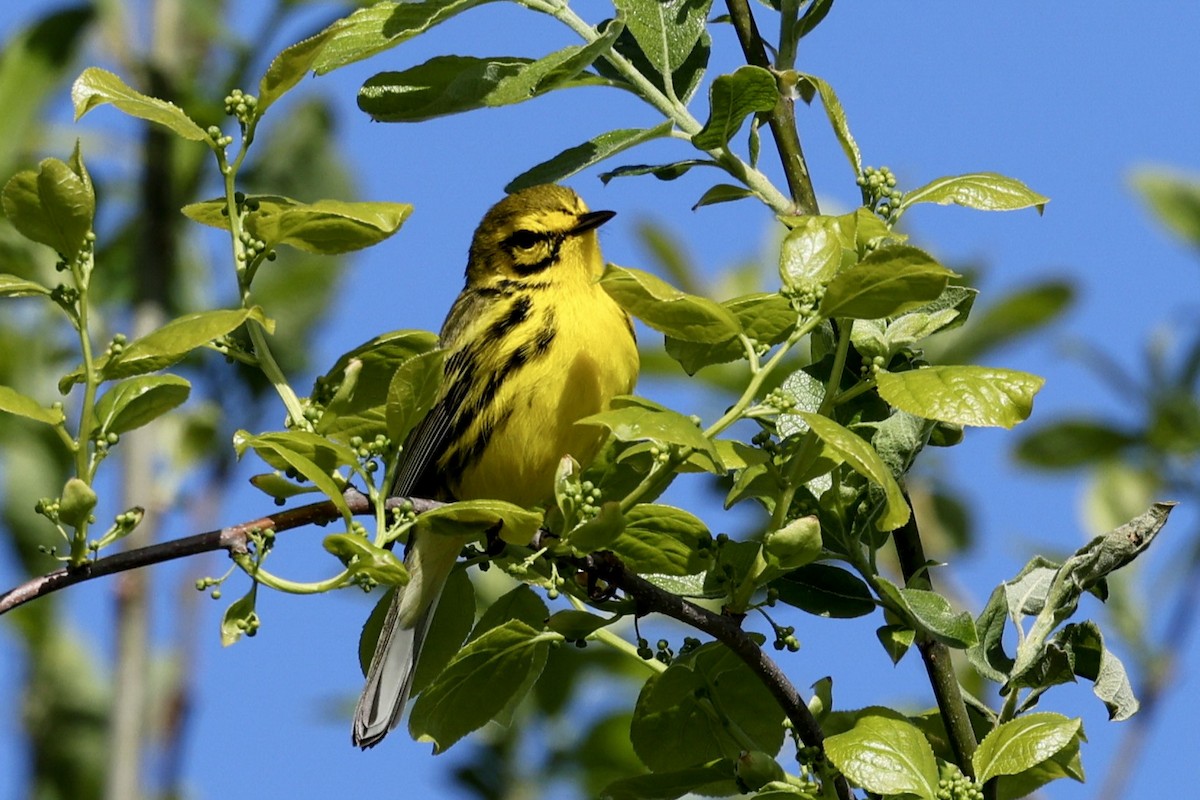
(524, 240)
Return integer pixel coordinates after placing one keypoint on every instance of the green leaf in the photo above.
(1019, 313)
(812, 251)
(359, 410)
(476, 517)
(1023, 743)
(1175, 199)
(274, 485)
(361, 557)
(369, 636)
(521, 603)
(896, 640)
(454, 84)
(673, 725)
(289, 67)
(639, 421)
(451, 623)
(859, 454)
(985, 191)
(486, 676)
(663, 540)
(764, 318)
(77, 502)
(600, 531)
(837, 120)
(1090, 659)
(13, 402)
(575, 626)
(684, 78)
(53, 206)
(795, 544)
(95, 87)
(380, 27)
(731, 99)
(274, 449)
(885, 755)
(135, 402)
(1085, 570)
(170, 343)
(14, 286)
(988, 655)
(588, 154)
(664, 172)
(1066, 763)
(984, 396)
(239, 619)
(412, 393)
(826, 591)
(937, 616)
(1073, 443)
(722, 193)
(887, 282)
(667, 309)
(325, 227)
(667, 31)
(715, 777)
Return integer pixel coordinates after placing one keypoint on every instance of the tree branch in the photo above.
(782, 118)
(651, 599)
(936, 655)
(604, 566)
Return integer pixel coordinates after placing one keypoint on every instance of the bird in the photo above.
(533, 343)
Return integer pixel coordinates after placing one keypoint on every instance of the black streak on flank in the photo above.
(517, 313)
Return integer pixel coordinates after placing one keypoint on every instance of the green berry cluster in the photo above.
(879, 192)
(253, 249)
(370, 452)
(213, 583)
(785, 637)
(218, 137)
(48, 507)
(242, 106)
(662, 652)
(803, 297)
(872, 368)
(779, 400)
(953, 785)
(65, 296)
(116, 347)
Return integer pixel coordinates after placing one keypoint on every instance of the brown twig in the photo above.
(651, 599)
(603, 566)
(782, 118)
(936, 655)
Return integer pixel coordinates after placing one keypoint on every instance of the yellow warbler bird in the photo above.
(532, 345)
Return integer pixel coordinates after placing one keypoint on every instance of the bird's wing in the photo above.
(417, 472)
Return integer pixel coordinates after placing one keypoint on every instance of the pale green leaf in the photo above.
(859, 454)
(887, 282)
(97, 86)
(986, 191)
(964, 395)
(1023, 743)
(588, 154)
(667, 309)
(887, 755)
(731, 99)
(13, 402)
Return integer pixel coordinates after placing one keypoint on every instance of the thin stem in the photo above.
(782, 118)
(670, 107)
(84, 463)
(946, 691)
(258, 335)
(618, 643)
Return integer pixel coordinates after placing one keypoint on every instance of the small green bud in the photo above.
(755, 769)
(78, 500)
(795, 544)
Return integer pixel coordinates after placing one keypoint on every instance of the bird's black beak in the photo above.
(592, 220)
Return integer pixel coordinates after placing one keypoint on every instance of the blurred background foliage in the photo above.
(90, 731)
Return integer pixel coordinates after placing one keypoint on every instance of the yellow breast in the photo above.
(591, 359)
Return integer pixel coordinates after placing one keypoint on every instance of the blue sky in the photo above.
(1069, 97)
